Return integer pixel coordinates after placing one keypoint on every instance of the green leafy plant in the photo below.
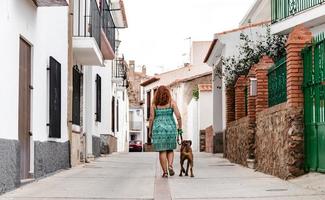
(196, 93)
(249, 53)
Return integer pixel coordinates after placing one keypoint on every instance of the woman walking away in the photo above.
(162, 128)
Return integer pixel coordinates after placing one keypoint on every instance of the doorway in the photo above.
(24, 110)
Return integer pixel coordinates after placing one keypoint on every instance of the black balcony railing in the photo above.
(120, 69)
(95, 25)
(108, 24)
(91, 19)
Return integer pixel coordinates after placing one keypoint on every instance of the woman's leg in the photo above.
(170, 158)
(163, 160)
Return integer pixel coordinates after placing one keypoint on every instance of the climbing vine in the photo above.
(249, 53)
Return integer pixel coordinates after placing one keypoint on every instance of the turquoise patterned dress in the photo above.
(164, 130)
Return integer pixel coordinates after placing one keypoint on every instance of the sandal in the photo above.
(165, 175)
(171, 171)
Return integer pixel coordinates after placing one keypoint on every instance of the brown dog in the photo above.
(186, 154)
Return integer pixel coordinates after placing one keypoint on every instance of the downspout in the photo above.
(70, 77)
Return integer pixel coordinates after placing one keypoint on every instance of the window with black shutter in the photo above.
(77, 76)
(55, 99)
(98, 98)
(113, 114)
(117, 116)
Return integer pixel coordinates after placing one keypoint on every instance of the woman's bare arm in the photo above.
(151, 119)
(177, 114)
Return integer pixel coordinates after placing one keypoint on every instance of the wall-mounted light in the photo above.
(117, 44)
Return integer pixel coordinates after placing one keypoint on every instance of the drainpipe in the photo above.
(70, 77)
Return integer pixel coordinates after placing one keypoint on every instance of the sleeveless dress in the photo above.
(164, 130)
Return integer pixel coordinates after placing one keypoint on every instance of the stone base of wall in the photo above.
(237, 141)
(279, 141)
(108, 144)
(9, 165)
(96, 146)
(50, 157)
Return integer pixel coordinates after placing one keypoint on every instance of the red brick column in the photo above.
(297, 40)
(230, 104)
(240, 97)
(262, 83)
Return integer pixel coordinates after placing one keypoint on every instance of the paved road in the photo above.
(137, 176)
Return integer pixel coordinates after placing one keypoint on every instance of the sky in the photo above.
(160, 31)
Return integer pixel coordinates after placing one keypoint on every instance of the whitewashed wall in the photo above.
(205, 110)
(46, 30)
(123, 133)
(192, 125)
(91, 126)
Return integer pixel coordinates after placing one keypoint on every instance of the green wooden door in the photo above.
(314, 109)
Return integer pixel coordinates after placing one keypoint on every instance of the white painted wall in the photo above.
(92, 127)
(198, 51)
(123, 118)
(260, 11)
(46, 30)
(193, 132)
(204, 110)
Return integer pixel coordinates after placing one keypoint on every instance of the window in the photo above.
(77, 76)
(113, 114)
(55, 99)
(98, 98)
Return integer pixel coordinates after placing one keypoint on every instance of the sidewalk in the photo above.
(137, 176)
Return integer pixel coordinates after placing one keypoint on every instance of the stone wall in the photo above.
(9, 165)
(96, 145)
(50, 157)
(237, 141)
(279, 141)
(108, 144)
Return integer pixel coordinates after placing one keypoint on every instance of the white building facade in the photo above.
(33, 132)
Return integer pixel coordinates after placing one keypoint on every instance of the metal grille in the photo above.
(277, 82)
(282, 9)
(108, 25)
(314, 104)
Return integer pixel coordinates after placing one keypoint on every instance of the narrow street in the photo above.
(137, 176)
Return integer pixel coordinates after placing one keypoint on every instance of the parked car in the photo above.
(135, 146)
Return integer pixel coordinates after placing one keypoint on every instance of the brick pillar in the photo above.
(297, 40)
(262, 83)
(230, 103)
(240, 97)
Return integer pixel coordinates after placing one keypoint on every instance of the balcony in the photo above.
(48, 3)
(87, 33)
(287, 14)
(120, 73)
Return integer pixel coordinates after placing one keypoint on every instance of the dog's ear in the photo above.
(183, 142)
(190, 141)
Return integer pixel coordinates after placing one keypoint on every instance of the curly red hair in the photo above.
(162, 96)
